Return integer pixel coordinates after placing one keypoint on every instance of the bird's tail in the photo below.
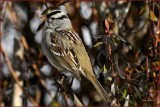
(100, 89)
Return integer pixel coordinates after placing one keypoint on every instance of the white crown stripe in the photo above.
(58, 15)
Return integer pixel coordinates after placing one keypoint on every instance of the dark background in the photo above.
(122, 39)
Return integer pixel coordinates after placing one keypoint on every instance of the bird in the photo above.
(65, 50)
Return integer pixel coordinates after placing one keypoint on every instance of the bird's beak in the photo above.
(44, 18)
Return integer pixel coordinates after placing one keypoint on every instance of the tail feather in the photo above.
(100, 89)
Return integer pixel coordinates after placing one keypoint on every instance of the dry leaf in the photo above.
(152, 16)
(106, 26)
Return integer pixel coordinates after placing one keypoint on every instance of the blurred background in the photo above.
(122, 39)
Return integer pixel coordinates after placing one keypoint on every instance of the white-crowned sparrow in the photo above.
(65, 51)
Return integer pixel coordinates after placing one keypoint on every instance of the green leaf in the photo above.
(49, 9)
(125, 92)
(55, 103)
(104, 68)
(98, 44)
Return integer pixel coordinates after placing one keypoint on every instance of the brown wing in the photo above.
(62, 47)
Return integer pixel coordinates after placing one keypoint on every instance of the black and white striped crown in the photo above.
(56, 14)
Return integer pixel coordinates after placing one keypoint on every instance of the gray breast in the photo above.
(48, 53)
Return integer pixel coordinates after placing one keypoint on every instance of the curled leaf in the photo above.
(106, 26)
(98, 44)
(49, 9)
(153, 16)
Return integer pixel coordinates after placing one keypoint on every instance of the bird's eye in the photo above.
(53, 18)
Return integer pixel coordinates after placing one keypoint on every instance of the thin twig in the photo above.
(62, 2)
(38, 95)
(46, 5)
(37, 72)
(24, 42)
(1, 96)
(65, 91)
(147, 67)
(65, 98)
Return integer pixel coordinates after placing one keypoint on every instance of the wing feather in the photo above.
(62, 47)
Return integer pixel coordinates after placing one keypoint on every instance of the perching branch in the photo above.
(77, 102)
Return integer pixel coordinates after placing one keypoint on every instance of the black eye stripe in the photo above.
(62, 17)
(53, 18)
(52, 13)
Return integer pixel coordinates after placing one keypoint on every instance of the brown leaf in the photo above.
(106, 26)
(153, 16)
(157, 38)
